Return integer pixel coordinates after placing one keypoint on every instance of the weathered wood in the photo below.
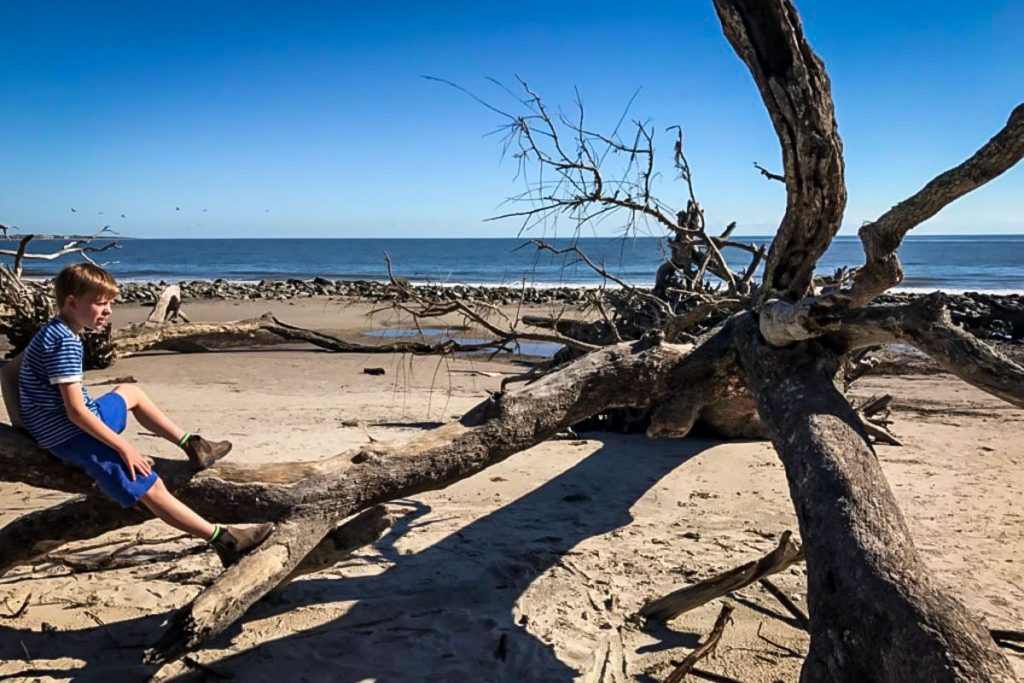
(195, 336)
(240, 586)
(925, 324)
(798, 614)
(786, 554)
(768, 37)
(881, 238)
(167, 306)
(705, 648)
(631, 374)
(362, 530)
(877, 613)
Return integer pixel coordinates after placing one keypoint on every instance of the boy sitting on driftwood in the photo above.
(43, 393)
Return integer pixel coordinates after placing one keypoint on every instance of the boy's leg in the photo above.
(148, 415)
(172, 511)
(230, 543)
(201, 453)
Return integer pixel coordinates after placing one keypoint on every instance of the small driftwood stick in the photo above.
(705, 648)
(787, 553)
(794, 609)
(712, 676)
(16, 612)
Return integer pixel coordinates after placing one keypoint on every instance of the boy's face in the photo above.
(91, 311)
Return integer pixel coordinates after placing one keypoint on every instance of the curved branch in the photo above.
(795, 88)
(19, 255)
(882, 237)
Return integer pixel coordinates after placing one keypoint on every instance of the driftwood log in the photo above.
(168, 329)
(775, 356)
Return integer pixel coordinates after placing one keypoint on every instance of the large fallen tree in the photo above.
(737, 350)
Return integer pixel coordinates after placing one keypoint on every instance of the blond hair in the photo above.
(80, 279)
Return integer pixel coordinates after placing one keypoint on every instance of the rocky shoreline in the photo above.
(370, 290)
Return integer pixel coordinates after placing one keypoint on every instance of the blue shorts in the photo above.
(103, 463)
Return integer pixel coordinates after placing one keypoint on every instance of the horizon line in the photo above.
(854, 236)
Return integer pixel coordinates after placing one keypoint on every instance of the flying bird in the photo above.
(73, 210)
(122, 215)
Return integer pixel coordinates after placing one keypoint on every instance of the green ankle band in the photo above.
(215, 534)
(184, 439)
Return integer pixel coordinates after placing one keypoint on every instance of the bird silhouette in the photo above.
(122, 215)
(73, 210)
(177, 208)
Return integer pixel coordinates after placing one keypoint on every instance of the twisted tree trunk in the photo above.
(877, 613)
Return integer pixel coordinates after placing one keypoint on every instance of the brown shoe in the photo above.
(202, 453)
(233, 542)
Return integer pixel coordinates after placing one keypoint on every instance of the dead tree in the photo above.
(876, 611)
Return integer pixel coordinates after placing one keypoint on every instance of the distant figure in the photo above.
(122, 215)
(4, 229)
(73, 210)
(43, 392)
(177, 208)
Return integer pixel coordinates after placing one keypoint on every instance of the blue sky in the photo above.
(311, 119)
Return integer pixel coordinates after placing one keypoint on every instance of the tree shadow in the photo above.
(445, 613)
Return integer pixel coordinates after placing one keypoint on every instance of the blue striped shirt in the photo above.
(54, 356)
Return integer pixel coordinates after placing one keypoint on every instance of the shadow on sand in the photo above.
(445, 613)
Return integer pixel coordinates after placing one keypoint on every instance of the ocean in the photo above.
(992, 263)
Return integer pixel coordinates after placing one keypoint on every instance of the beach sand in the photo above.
(528, 571)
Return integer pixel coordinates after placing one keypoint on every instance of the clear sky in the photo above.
(310, 119)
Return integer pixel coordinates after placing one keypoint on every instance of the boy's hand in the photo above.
(135, 462)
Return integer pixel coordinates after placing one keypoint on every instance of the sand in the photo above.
(527, 571)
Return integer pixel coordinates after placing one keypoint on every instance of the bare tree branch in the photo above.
(882, 237)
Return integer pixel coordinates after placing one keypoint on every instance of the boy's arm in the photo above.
(80, 415)
(9, 388)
